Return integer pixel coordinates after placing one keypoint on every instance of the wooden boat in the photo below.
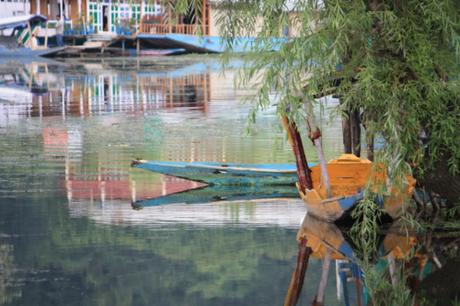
(348, 176)
(219, 193)
(213, 173)
(203, 43)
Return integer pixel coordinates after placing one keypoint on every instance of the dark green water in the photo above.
(68, 234)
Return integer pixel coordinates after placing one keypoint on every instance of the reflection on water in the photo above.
(68, 233)
(403, 269)
(42, 90)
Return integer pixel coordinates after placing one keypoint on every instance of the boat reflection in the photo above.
(25, 82)
(326, 242)
(221, 193)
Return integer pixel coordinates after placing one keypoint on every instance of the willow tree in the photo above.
(393, 63)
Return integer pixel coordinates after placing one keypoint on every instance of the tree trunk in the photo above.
(355, 132)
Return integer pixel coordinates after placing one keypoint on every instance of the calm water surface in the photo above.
(68, 232)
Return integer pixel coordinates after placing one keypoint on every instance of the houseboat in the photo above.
(141, 24)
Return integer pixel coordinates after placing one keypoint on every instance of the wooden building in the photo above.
(111, 16)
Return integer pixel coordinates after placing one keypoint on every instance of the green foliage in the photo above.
(365, 232)
(382, 291)
(397, 61)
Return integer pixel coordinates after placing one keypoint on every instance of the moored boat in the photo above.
(213, 173)
(348, 176)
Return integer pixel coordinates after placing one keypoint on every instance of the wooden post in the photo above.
(79, 10)
(29, 29)
(61, 10)
(314, 133)
(138, 46)
(346, 133)
(370, 145)
(369, 136)
(355, 122)
(303, 171)
(142, 16)
(46, 34)
(203, 17)
(298, 276)
(169, 19)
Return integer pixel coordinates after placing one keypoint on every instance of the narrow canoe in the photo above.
(218, 193)
(348, 176)
(213, 173)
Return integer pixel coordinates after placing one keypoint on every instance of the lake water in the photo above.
(68, 232)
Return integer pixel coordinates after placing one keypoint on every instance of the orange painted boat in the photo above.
(348, 177)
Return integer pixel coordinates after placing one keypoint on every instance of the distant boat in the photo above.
(348, 176)
(23, 22)
(20, 21)
(205, 43)
(213, 173)
(23, 52)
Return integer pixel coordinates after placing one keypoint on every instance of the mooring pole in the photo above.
(355, 122)
(303, 171)
(314, 133)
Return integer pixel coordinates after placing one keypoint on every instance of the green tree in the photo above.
(394, 61)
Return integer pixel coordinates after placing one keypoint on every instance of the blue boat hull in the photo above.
(203, 44)
(224, 174)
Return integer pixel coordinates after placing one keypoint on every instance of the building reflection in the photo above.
(44, 93)
(94, 119)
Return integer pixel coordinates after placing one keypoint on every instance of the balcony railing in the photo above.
(155, 25)
(189, 29)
